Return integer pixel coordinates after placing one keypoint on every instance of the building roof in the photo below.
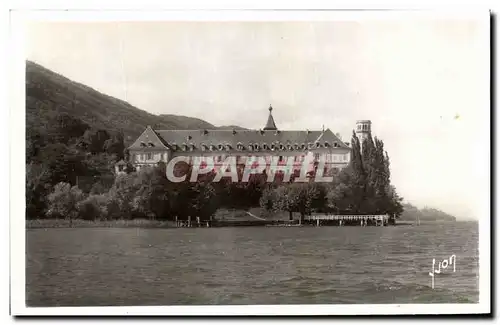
(204, 139)
(269, 138)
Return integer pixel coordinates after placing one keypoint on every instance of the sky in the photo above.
(423, 83)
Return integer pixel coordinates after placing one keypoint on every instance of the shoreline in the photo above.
(145, 223)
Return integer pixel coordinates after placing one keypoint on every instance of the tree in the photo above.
(93, 141)
(63, 201)
(115, 145)
(296, 197)
(94, 207)
(150, 198)
(204, 202)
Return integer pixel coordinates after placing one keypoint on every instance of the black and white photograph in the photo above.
(251, 162)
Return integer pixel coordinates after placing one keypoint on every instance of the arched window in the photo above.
(221, 146)
(318, 144)
(327, 144)
(264, 146)
(273, 146)
(335, 144)
(303, 146)
(256, 146)
(240, 146)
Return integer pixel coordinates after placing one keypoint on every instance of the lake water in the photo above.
(254, 265)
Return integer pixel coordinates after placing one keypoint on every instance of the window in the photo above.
(316, 156)
(165, 156)
(149, 156)
(280, 159)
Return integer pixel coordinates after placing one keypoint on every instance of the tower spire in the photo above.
(270, 125)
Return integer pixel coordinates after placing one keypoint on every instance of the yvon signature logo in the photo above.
(442, 266)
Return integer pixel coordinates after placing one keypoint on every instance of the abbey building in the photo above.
(153, 146)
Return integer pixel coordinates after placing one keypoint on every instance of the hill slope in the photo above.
(49, 94)
(412, 213)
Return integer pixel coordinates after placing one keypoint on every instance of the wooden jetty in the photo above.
(348, 220)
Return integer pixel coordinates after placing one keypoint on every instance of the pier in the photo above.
(348, 220)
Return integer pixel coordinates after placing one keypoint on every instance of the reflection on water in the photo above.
(308, 265)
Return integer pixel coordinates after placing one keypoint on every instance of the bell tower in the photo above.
(363, 130)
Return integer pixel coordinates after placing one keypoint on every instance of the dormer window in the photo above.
(250, 147)
(228, 147)
(303, 146)
(192, 146)
(327, 144)
(174, 146)
(290, 147)
(264, 146)
(184, 147)
(151, 144)
(212, 147)
(143, 144)
(311, 145)
(318, 144)
(335, 144)
(297, 146)
(221, 147)
(203, 147)
(240, 146)
(256, 146)
(273, 146)
(282, 146)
